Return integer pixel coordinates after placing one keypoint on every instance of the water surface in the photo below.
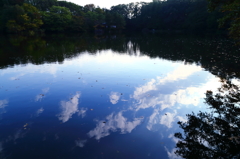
(105, 97)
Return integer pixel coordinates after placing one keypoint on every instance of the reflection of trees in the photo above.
(54, 48)
(215, 134)
(209, 52)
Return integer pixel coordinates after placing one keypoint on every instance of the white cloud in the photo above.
(39, 97)
(171, 136)
(69, 108)
(16, 77)
(150, 95)
(102, 57)
(113, 123)
(182, 119)
(80, 143)
(45, 90)
(114, 97)
(168, 118)
(3, 103)
(82, 112)
(141, 91)
(154, 119)
(39, 111)
(182, 72)
(172, 155)
(155, 94)
(31, 68)
(163, 93)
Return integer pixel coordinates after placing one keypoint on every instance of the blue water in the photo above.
(105, 105)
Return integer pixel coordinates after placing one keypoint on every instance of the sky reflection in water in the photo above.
(106, 105)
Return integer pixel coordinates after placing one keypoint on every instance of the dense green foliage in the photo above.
(232, 14)
(171, 15)
(175, 15)
(42, 5)
(17, 18)
(56, 16)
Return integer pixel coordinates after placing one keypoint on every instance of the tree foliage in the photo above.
(215, 134)
(170, 15)
(231, 9)
(57, 18)
(75, 9)
(42, 5)
(21, 18)
(185, 15)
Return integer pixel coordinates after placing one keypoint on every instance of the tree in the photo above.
(119, 21)
(21, 18)
(42, 5)
(115, 19)
(75, 9)
(78, 24)
(121, 9)
(32, 17)
(57, 19)
(15, 2)
(215, 134)
(232, 14)
(89, 7)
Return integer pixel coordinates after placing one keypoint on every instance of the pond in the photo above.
(113, 96)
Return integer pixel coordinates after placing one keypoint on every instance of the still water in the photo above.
(71, 97)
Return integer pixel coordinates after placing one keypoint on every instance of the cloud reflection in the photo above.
(82, 112)
(3, 103)
(171, 154)
(31, 68)
(182, 72)
(167, 119)
(114, 97)
(171, 136)
(16, 77)
(69, 108)
(40, 96)
(80, 143)
(113, 123)
(167, 92)
(153, 119)
(161, 93)
(39, 111)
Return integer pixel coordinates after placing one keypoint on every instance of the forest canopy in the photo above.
(32, 16)
(231, 10)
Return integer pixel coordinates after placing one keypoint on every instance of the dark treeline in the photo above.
(176, 15)
(32, 16)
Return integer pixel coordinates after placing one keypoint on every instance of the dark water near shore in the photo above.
(107, 97)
